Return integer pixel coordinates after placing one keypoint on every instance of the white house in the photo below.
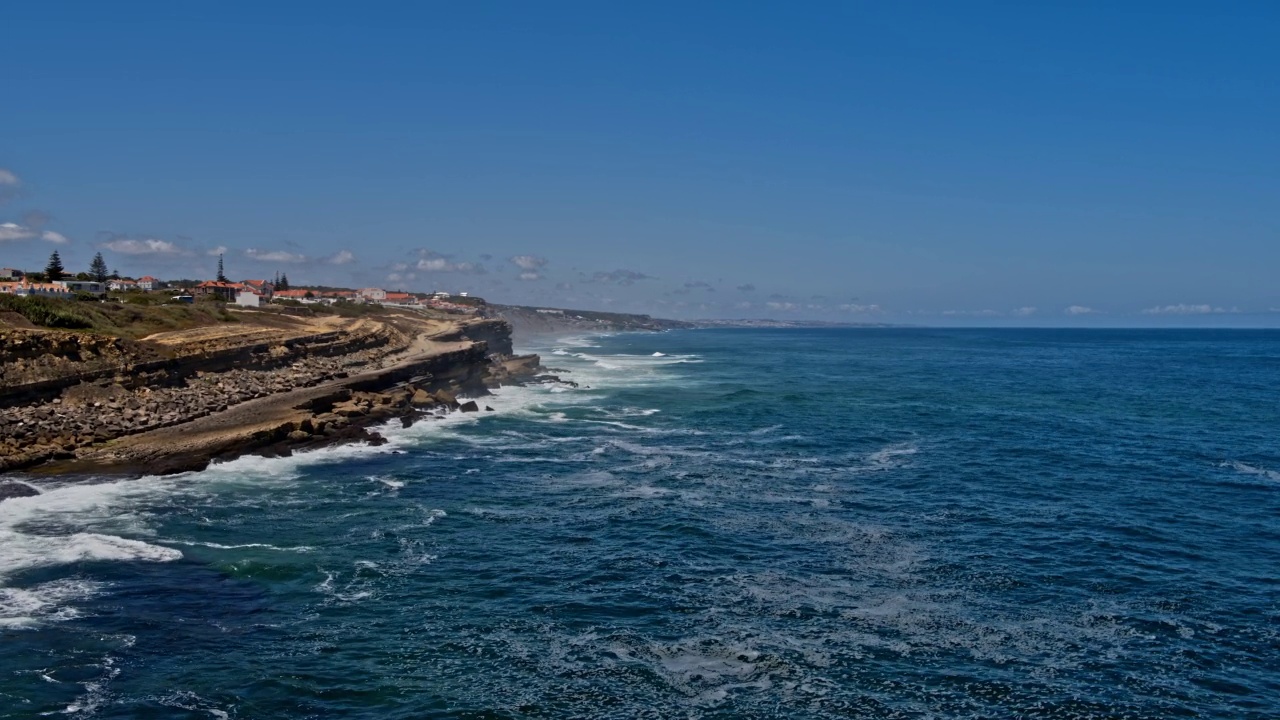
(122, 284)
(89, 286)
(374, 294)
(9, 274)
(248, 298)
(146, 282)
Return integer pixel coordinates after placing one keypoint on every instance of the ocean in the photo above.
(882, 523)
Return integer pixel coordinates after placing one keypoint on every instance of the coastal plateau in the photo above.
(269, 383)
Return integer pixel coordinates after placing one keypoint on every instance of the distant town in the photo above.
(99, 284)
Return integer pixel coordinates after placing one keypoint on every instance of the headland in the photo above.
(268, 381)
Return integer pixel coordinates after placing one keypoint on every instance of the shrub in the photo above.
(45, 312)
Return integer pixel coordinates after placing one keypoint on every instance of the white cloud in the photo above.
(620, 277)
(7, 177)
(1080, 310)
(439, 264)
(435, 264)
(784, 306)
(530, 275)
(53, 237)
(860, 309)
(342, 257)
(280, 256)
(972, 313)
(220, 250)
(142, 246)
(1184, 309)
(528, 262)
(13, 231)
(1027, 311)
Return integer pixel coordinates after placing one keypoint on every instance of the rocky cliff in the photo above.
(72, 397)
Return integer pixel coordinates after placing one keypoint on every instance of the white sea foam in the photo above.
(389, 483)
(243, 546)
(1247, 469)
(45, 602)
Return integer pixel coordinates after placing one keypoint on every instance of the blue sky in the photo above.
(925, 162)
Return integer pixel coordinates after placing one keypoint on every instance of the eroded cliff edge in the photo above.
(81, 403)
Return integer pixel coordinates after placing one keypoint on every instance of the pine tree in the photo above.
(284, 281)
(115, 274)
(221, 276)
(98, 269)
(54, 271)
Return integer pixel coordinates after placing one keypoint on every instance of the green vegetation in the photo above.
(131, 320)
(344, 308)
(46, 312)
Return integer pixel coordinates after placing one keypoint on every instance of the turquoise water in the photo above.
(825, 523)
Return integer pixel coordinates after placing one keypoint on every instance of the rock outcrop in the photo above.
(143, 408)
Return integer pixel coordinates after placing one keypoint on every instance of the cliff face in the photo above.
(493, 332)
(72, 393)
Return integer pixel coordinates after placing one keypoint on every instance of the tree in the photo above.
(54, 270)
(115, 274)
(221, 276)
(98, 268)
(284, 282)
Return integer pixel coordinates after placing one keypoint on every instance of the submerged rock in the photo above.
(13, 489)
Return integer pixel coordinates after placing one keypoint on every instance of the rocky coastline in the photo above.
(196, 406)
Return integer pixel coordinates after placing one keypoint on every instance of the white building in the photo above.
(248, 298)
(374, 294)
(89, 286)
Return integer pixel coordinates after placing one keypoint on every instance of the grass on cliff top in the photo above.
(129, 320)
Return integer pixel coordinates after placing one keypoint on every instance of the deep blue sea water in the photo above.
(754, 524)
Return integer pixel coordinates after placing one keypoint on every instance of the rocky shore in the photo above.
(188, 409)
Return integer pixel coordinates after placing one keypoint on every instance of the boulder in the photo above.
(422, 397)
(469, 406)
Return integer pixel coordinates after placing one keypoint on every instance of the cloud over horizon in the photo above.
(620, 277)
(13, 232)
(126, 245)
(1184, 309)
(279, 256)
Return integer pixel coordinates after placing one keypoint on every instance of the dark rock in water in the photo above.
(16, 490)
(469, 406)
(488, 409)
